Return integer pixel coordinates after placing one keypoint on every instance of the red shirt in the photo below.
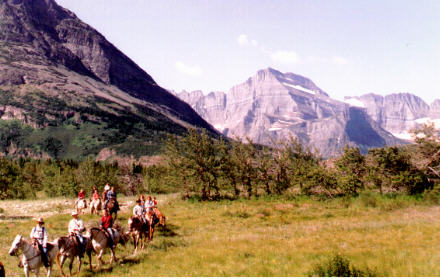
(95, 196)
(81, 195)
(155, 202)
(106, 222)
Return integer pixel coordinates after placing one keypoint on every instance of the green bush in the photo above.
(339, 266)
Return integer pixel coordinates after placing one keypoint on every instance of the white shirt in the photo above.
(149, 204)
(138, 210)
(40, 234)
(76, 226)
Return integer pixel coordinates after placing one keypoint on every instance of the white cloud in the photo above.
(190, 70)
(280, 56)
(243, 40)
(283, 56)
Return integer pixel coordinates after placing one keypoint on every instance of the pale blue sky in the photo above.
(347, 48)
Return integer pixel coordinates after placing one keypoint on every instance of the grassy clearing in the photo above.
(270, 237)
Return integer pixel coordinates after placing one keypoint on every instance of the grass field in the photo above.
(264, 237)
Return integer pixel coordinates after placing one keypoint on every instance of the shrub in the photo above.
(339, 266)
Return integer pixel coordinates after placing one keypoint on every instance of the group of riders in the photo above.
(145, 210)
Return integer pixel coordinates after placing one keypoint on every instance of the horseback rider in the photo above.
(106, 224)
(39, 237)
(149, 204)
(81, 196)
(111, 194)
(76, 228)
(155, 202)
(139, 211)
(95, 195)
(94, 189)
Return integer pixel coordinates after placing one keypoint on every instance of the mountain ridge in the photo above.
(273, 105)
(47, 53)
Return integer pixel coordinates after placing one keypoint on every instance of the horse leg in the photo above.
(26, 270)
(113, 257)
(61, 263)
(79, 263)
(49, 269)
(99, 258)
(89, 254)
(37, 271)
(71, 265)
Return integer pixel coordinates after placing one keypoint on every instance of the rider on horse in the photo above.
(149, 204)
(76, 228)
(139, 211)
(39, 236)
(81, 196)
(106, 224)
(111, 194)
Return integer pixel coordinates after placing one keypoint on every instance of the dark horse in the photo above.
(113, 207)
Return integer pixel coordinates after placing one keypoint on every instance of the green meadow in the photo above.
(388, 235)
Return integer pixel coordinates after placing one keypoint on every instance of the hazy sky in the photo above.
(347, 48)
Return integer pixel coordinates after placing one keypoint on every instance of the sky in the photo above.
(347, 47)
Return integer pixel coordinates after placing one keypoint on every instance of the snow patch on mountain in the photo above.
(299, 87)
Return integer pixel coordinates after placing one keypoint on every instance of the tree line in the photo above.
(200, 166)
(211, 168)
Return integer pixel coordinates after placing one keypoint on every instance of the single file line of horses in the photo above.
(40, 252)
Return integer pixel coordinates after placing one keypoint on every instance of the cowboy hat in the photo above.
(39, 220)
(74, 213)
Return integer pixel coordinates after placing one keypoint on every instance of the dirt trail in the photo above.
(24, 210)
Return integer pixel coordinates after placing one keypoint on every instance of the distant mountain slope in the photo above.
(78, 92)
(398, 113)
(274, 105)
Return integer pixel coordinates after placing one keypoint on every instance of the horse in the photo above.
(113, 207)
(152, 219)
(161, 217)
(95, 206)
(80, 205)
(69, 248)
(31, 259)
(138, 230)
(100, 242)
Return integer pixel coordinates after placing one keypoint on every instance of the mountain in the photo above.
(398, 113)
(73, 92)
(272, 105)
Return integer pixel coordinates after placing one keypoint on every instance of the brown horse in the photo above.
(113, 207)
(152, 219)
(161, 217)
(139, 232)
(69, 248)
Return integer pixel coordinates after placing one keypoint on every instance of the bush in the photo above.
(339, 266)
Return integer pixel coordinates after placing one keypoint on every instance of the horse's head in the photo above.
(15, 245)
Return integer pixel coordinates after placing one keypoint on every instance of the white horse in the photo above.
(95, 206)
(100, 243)
(80, 205)
(31, 260)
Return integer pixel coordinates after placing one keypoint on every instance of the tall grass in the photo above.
(392, 236)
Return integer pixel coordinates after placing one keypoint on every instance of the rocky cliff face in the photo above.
(55, 70)
(273, 105)
(398, 113)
